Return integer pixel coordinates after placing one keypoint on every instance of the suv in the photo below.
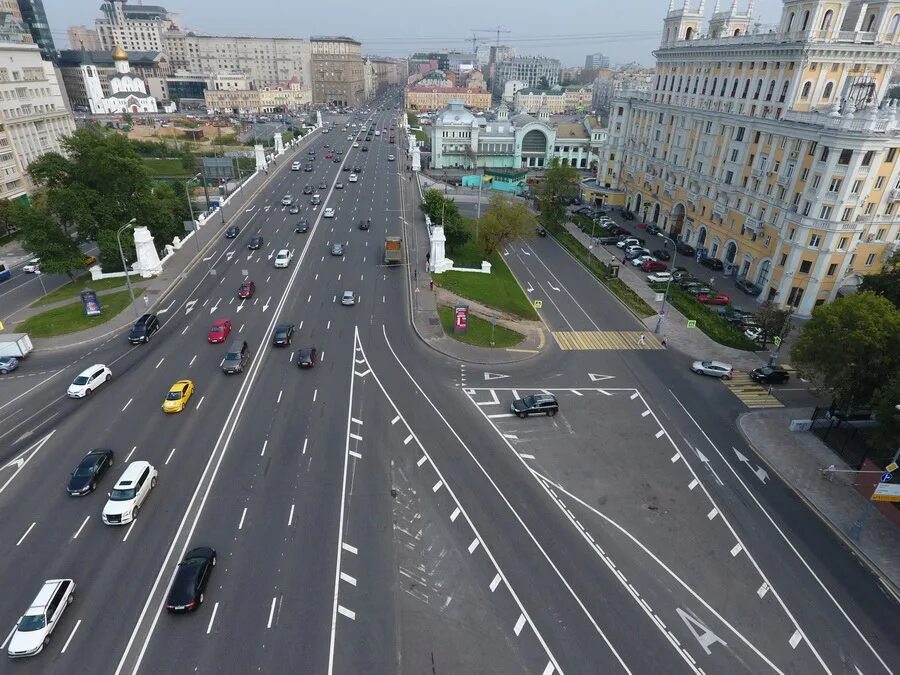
(33, 630)
(535, 404)
(129, 493)
(237, 357)
(143, 328)
(770, 375)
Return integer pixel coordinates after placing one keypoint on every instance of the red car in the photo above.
(654, 266)
(329, 155)
(247, 289)
(714, 298)
(220, 330)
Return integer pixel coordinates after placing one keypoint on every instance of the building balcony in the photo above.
(865, 122)
(817, 223)
(719, 210)
(783, 179)
(893, 194)
(753, 224)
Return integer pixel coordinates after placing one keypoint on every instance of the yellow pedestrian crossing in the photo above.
(605, 339)
(752, 394)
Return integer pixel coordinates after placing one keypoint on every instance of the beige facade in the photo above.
(272, 98)
(338, 76)
(84, 37)
(33, 115)
(775, 152)
(438, 98)
(131, 27)
(557, 101)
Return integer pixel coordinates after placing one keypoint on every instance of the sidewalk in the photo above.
(798, 458)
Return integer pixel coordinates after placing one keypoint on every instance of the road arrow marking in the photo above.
(210, 257)
(494, 376)
(759, 472)
(530, 288)
(23, 459)
(703, 458)
(240, 306)
(266, 306)
(599, 378)
(165, 309)
(215, 307)
(553, 287)
(189, 305)
(229, 255)
(249, 256)
(525, 252)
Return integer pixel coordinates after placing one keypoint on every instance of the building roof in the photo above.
(521, 119)
(119, 54)
(570, 130)
(129, 94)
(334, 38)
(102, 59)
(498, 129)
(445, 90)
(455, 114)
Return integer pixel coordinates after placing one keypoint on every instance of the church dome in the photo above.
(119, 54)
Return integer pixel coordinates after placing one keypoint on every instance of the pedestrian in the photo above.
(641, 340)
(428, 256)
(712, 281)
(664, 342)
(431, 285)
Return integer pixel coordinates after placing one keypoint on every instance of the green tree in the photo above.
(773, 321)
(849, 346)
(42, 235)
(886, 283)
(505, 220)
(887, 418)
(543, 83)
(442, 211)
(559, 185)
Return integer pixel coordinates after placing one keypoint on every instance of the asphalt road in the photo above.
(382, 512)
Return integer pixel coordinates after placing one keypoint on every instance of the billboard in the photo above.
(91, 303)
(461, 319)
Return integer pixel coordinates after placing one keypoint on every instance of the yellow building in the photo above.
(773, 150)
(272, 98)
(438, 98)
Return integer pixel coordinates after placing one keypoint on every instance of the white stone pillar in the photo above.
(260, 157)
(148, 263)
(279, 144)
(439, 261)
(318, 119)
(416, 160)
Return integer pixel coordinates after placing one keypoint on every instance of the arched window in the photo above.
(784, 91)
(689, 34)
(805, 20)
(826, 20)
(746, 88)
(734, 88)
(790, 23)
(737, 31)
(724, 87)
(712, 89)
(826, 94)
(771, 90)
(895, 23)
(758, 90)
(870, 24)
(807, 86)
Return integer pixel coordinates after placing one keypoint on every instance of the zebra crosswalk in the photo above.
(753, 395)
(605, 339)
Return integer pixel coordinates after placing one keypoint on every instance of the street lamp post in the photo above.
(130, 223)
(191, 209)
(662, 309)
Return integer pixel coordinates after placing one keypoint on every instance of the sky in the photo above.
(626, 31)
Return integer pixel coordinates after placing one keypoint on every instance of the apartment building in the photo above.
(534, 71)
(557, 100)
(134, 28)
(337, 71)
(271, 98)
(772, 149)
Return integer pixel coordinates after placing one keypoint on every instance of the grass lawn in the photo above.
(165, 167)
(469, 254)
(498, 289)
(478, 331)
(71, 318)
(71, 290)
(422, 136)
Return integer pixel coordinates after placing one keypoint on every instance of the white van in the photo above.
(33, 630)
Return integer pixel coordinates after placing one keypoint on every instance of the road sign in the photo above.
(893, 466)
(777, 340)
(887, 492)
(887, 477)
(538, 304)
(692, 323)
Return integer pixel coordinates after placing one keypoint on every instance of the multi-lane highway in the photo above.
(383, 512)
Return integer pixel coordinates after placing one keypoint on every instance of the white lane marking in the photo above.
(350, 549)
(130, 528)
(130, 454)
(22, 538)
(186, 327)
(322, 356)
(346, 577)
(127, 404)
(795, 639)
(265, 443)
(495, 582)
(422, 460)
(72, 634)
(212, 618)
(437, 486)
(356, 421)
(519, 623)
(473, 545)
(3, 646)
(525, 455)
(305, 441)
(243, 515)
(78, 531)
(160, 362)
(350, 614)
(272, 612)
(454, 515)
(192, 361)
(280, 392)
(355, 454)
(356, 437)
(291, 516)
(200, 402)
(171, 452)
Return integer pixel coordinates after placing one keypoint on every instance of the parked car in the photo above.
(628, 215)
(636, 252)
(662, 254)
(607, 240)
(713, 298)
(696, 289)
(713, 369)
(654, 266)
(685, 249)
(659, 277)
(32, 266)
(748, 287)
(8, 364)
(630, 241)
(535, 404)
(754, 333)
(770, 375)
(712, 263)
(641, 259)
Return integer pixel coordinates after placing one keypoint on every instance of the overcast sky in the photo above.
(626, 31)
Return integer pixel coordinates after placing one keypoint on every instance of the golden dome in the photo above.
(119, 54)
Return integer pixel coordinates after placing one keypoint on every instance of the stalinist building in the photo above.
(771, 148)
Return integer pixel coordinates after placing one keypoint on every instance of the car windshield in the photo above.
(528, 400)
(706, 364)
(173, 395)
(84, 470)
(217, 329)
(81, 379)
(32, 622)
(121, 494)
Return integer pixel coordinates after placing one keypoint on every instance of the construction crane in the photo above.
(497, 30)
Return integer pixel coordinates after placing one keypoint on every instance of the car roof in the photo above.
(132, 472)
(718, 364)
(180, 383)
(284, 251)
(46, 593)
(90, 369)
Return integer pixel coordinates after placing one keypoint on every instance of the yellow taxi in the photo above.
(178, 396)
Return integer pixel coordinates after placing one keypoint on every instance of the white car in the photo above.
(659, 277)
(33, 629)
(329, 212)
(282, 258)
(377, 133)
(630, 241)
(753, 333)
(641, 259)
(350, 137)
(32, 266)
(351, 178)
(88, 380)
(295, 166)
(355, 144)
(129, 493)
(348, 298)
(287, 200)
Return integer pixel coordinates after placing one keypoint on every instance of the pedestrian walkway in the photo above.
(799, 458)
(605, 339)
(752, 394)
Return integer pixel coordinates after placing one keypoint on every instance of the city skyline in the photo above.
(632, 37)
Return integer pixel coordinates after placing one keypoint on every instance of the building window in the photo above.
(828, 88)
(824, 156)
(783, 260)
(796, 293)
(870, 259)
(814, 240)
(825, 213)
(807, 208)
(845, 216)
(880, 235)
(805, 266)
(791, 234)
(870, 208)
(835, 184)
(846, 156)
(816, 180)
(879, 183)
(807, 86)
(891, 153)
(842, 244)
(832, 268)
(804, 174)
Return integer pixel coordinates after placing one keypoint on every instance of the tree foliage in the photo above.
(559, 185)
(42, 235)
(850, 347)
(505, 220)
(887, 417)
(887, 283)
(773, 321)
(442, 211)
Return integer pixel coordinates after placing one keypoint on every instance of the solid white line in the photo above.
(130, 454)
(171, 452)
(272, 612)
(71, 635)
(519, 623)
(127, 404)
(291, 516)
(350, 549)
(22, 538)
(212, 618)
(346, 577)
(75, 536)
(243, 515)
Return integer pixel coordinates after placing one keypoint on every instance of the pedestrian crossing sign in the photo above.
(777, 340)
(692, 323)
(538, 304)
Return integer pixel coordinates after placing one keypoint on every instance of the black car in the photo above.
(337, 160)
(312, 153)
(345, 168)
(357, 169)
(365, 149)
(306, 357)
(308, 167)
(535, 404)
(712, 263)
(283, 334)
(653, 229)
(232, 232)
(143, 328)
(748, 287)
(611, 239)
(770, 375)
(308, 190)
(685, 249)
(323, 185)
(255, 243)
(661, 254)
(364, 224)
(302, 226)
(191, 577)
(89, 471)
(541, 232)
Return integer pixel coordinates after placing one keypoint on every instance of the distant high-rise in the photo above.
(596, 61)
(535, 71)
(338, 76)
(35, 18)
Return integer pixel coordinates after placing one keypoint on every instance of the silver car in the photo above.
(713, 369)
(348, 298)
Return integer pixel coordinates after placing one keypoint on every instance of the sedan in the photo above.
(283, 258)
(8, 364)
(685, 249)
(337, 249)
(323, 185)
(179, 395)
(246, 290)
(295, 208)
(89, 471)
(32, 266)
(302, 226)
(339, 186)
(191, 578)
(357, 169)
(308, 167)
(641, 259)
(636, 253)
(306, 357)
(713, 298)
(219, 331)
(654, 266)
(352, 178)
(659, 277)
(713, 369)
(365, 148)
(308, 190)
(770, 375)
(345, 168)
(662, 254)
(255, 243)
(287, 200)
(329, 212)
(748, 287)
(348, 299)
(712, 263)
(390, 158)
(88, 380)
(283, 334)
(232, 232)
(630, 241)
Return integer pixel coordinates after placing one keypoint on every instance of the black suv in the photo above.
(535, 404)
(770, 375)
(712, 263)
(143, 328)
(232, 232)
(237, 358)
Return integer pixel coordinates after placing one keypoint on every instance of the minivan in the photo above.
(33, 629)
(143, 328)
(237, 357)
